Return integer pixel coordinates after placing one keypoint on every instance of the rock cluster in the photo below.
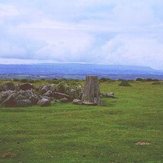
(18, 98)
(26, 94)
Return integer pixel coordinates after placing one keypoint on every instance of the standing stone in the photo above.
(91, 92)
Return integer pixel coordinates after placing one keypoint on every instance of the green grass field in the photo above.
(64, 133)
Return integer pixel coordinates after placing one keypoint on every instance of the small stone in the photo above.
(89, 103)
(64, 100)
(108, 95)
(58, 95)
(23, 103)
(44, 102)
(77, 102)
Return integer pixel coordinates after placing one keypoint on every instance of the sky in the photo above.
(113, 32)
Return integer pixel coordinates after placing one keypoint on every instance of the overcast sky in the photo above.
(118, 32)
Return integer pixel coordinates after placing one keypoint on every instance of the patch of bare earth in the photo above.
(7, 155)
(142, 143)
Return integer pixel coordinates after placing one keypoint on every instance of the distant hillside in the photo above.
(75, 70)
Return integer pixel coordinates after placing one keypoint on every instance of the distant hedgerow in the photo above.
(124, 83)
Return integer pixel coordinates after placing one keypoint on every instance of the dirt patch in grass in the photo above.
(142, 143)
(7, 155)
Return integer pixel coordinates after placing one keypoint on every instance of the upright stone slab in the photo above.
(91, 92)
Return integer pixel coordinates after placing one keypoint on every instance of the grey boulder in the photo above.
(44, 102)
(77, 102)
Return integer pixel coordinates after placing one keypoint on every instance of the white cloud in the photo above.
(8, 50)
(98, 31)
(133, 50)
(8, 10)
(61, 41)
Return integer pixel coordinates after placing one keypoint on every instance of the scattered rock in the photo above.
(44, 89)
(4, 95)
(47, 88)
(59, 95)
(64, 100)
(9, 101)
(26, 86)
(23, 103)
(108, 95)
(56, 100)
(29, 94)
(89, 103)
(77, 102)
(34, 99)
(44, 102)
(18, 98)
(49, 93)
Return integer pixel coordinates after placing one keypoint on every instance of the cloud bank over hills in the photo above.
(96, 31)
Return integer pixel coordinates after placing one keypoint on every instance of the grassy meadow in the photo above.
(126, 129)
